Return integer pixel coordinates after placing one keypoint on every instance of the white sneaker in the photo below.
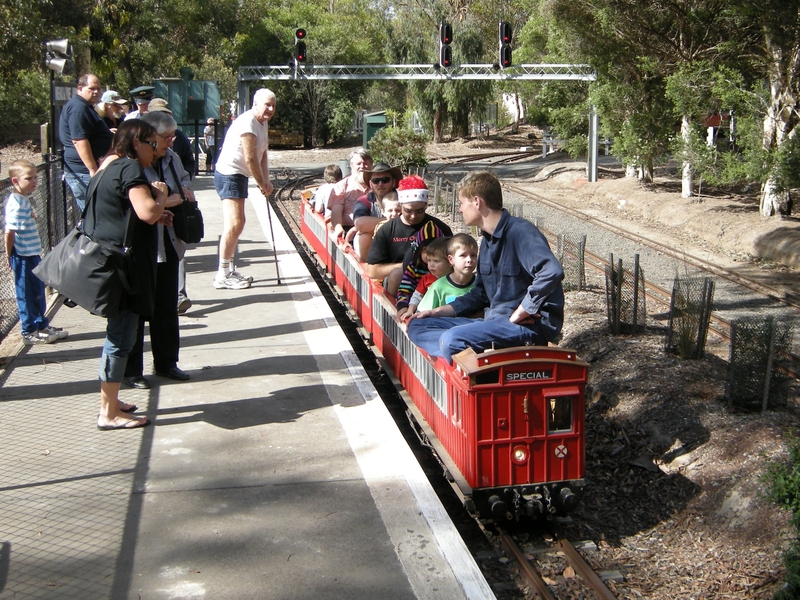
(236, 275)
(59, 332)
(230, 283)
(39, 337)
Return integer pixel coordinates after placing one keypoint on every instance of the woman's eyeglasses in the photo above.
(166, 138)
(378, 180)
(414, 211)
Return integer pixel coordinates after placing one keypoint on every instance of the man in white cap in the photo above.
(393, 241)
(110, 109)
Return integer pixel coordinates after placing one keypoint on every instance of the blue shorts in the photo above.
(230, 186)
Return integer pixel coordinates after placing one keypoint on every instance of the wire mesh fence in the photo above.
(571, 252)
(758, 373)
(55, 213)
(689, 316)
(625, 297)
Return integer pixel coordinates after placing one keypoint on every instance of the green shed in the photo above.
(373, 122)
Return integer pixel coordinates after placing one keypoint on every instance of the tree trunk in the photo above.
(687, 178)
(438, 120)
(774, 202)
(646, 173)
(777, 124)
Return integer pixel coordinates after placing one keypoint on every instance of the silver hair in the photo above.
(361, 152)
(162, 121)
(263, 95)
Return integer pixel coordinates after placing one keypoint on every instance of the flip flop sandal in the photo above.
(128, 424)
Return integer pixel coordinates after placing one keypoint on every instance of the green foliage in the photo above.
(399, 146)
(341, 118)
(24, 99)
(783, 480)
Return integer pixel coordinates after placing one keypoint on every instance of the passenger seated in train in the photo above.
(462, 256)
(390, 209)
(415, 265)
(332, 174)
(518, 284)
(393, 240)
(435, 257)
(346, 192)
(367, 212)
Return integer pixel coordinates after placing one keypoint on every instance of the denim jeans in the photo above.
(31, 301)
(78, 183)
(120, 337)
(445, 336)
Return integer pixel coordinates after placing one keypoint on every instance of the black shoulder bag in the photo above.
(93, 274)
(187, 220)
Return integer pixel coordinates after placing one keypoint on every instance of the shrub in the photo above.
(784, 490)
(399, 146)
(24, 100)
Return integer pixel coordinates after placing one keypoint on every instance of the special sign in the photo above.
(529, 375)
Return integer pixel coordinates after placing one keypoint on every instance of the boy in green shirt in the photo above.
(462, 254)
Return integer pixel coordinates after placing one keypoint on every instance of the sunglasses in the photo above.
(414, 211)
(377, 180)
(153, 145)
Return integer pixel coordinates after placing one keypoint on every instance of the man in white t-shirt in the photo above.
(243, 155)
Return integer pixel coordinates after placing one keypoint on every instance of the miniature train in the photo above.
(507, 425)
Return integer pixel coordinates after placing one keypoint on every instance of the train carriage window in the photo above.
(560, 403)
(488, 377)
(559, 413)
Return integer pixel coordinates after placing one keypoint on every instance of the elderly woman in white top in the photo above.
(347, 191)
(164, 332)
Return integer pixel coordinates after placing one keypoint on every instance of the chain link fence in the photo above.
(571, 253)
(689, 316)
(625, 297)
(55, 213)
(758, 375)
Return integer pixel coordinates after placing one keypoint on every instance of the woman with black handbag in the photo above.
(125, 200)
(164, 331)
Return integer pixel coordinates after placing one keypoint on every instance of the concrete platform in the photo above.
(276, 472)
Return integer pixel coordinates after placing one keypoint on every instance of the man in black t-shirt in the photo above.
(85, 137)
(393, 239)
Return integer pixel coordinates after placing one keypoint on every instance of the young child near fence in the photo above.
(23, 250)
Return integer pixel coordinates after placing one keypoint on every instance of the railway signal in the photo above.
(300, 45)
(445, 39)
(504, 42)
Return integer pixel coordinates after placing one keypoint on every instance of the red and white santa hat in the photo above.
(412, 189)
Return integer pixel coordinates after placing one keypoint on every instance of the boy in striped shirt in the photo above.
(24, 249)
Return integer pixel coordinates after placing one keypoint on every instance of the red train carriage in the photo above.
(508, 425)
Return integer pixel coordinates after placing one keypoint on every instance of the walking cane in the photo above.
(272, 232)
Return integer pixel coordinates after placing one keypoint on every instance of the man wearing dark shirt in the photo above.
(85, 137)
(518, 283)
(393, 240)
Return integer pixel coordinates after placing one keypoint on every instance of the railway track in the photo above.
(576, 565)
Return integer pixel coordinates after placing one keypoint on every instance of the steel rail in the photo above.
(526, 568)
(586, 572)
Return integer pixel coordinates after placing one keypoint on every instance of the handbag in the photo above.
(93, 274)
(187, 220)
